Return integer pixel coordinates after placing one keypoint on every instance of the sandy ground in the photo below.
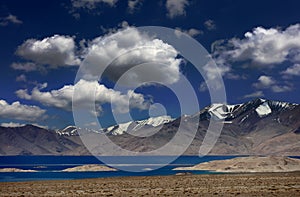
(249, 164)
(271, 184)
(89, 167)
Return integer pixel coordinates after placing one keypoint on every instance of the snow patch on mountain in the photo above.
(268, 106)
(216, 110)
(155, 121)
(74, 131)
(244, 118)
(221, 111)
(68, 131)
(119, 129)
(263, 110)
(280, 105)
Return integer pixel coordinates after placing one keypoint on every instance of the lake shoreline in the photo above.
(249, 164)
(250, 184)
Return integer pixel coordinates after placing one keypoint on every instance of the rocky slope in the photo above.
(33, 140)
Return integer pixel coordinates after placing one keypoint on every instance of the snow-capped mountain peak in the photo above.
(73, 131)
(257, 108)
(261, 107)
(69, 131)
(118, 129)
(155, 121)
(280, 105)
(267, 107)
(136, 125)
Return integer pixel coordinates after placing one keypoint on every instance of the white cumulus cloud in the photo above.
(11, 124)
(267, 82)
(21, 78)
(281, 88)
(27, 67)
(63, 97)
(134, 5)
(191, 32)
(293, 70)
(264, 82)
(91, 4)
(127, 48)
(176, 7)
(18, 111)
(262, 46)
(210, 24)
(213, 74)
(55, 51)
(255, 94)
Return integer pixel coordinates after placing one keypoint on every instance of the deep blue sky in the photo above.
(214, 20)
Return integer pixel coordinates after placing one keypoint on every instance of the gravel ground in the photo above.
(257, 184)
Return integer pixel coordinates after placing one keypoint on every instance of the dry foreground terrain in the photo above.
(255, 184)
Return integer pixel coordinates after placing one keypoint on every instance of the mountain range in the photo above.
(257, 127)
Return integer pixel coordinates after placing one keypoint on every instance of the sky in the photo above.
(44, 44)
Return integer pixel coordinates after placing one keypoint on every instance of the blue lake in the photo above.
(49, 167)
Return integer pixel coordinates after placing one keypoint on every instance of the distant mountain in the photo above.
(257, 108)
(73, 131)
(257, 127)
(134, 126)
(128, 127)
(33, 140)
